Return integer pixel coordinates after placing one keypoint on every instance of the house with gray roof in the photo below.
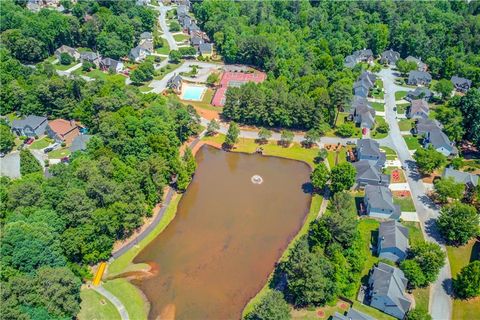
(141, 51)
(90, 57)
(368, 149)
(387, 286)
(365, 55)
(461, 84)
(439, 141)
(79, 143)
(420, 65)
(360, 88)
(109, 64)
(469, 179)
(146, 36)
(369, 174)
(419, 93)
(416, 78)
(175, 83)
(352, 314)
(205, 49)
(364, 115)
(68, 50)
(423, 126)
(30, 126)
(196, 41)
(368, 78)
(379, 203)
(389, 57)
(418, 109)
(392, 241)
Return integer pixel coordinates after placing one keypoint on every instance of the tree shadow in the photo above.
(475, 251)
(427, 202)
(432, 231)
(447, 285)
(307, 187)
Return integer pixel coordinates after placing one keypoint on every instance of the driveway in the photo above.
(428, 212)
(10, 165)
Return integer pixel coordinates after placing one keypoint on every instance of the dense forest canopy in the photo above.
(302, 45)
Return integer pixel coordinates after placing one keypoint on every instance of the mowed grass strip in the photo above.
(131, 297)
(95, 306)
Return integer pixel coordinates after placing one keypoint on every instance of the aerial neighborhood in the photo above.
(164, 159)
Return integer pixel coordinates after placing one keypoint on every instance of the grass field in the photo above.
(100, 75)
(406, 124)
(415, 234)
(95, 306)
(378, 106)
(159, 74)
(181, 37)
(402, 108)
(412, 142)
(369, 231)
(59, 153)
(375, 134)
(459, 257)
(406, 204)
(41, 143)
(391, 154)
(399, 95)
(130, 296)
(164, 49)
(63, 67)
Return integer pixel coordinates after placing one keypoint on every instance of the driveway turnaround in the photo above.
(440, 292)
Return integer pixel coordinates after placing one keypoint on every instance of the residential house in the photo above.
(392, 243)
(418, 109)
(423, 126)
(140, 52)
(469, 179)
(389, 57)
(420, 65)
(369, 174)
(62, 130)
(368, 149)
(112, 65)
(368, 78)
(30, 126)
(461, 84)
(146, 36)
(419, 93)
(352, 314)
(387, 286)
(365, 55)
(182, 11)
(79, 143)
(440, 142)
(175, 83)
(193, 27)
(363, 115)
(68, 50)
(379, 203)
(196, 41)
(90, 57)
(416, 78)
(206, 50)
(360, 88)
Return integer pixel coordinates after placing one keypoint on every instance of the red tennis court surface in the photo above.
(235, 79)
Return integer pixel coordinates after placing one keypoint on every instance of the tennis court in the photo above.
(235, 79)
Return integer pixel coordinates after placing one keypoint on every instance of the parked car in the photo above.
(350, 143)
(364, 131)
(29, 141)
(2, 154)
(65, 159)
(48, 149)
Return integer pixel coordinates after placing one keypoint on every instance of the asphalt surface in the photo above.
(440, 293)
(10, 165)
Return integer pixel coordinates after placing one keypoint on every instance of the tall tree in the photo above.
(28, 163)
(232, 135)
(458, 222)
(342, 176)
(320, 176)
(467, 283)
(272, 306)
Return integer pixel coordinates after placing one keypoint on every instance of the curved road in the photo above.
(167, 35)
(440, 292)
(114, 300)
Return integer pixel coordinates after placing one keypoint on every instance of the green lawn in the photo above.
(459, 257)
(181, 37)
(369, 231)
(41, 143)
(62, 67)
(100, 75)
(406, 204)
(391, 154)
(402, 108)
(412, 142)
(378, 106)
(59, 153)
(399, 95)
(379, 83)
(406, 124)
(159, 74)
(375, 134)
(164, 49)
(95, 306)
(378, 94)
(422, 297)
(130, 296)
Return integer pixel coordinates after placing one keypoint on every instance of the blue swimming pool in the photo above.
(193, 93)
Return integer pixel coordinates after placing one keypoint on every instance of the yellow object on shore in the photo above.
(99, 274)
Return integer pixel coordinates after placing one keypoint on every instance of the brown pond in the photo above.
(226, 237)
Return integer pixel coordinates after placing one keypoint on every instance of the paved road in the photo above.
(10, 165)
(440, 293)
(114, 300)
(167, 35)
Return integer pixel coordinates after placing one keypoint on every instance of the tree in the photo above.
(65, 59)
(271, 306)
(341, 219)
(174, 56)
(212, 78)
(320, 176)
(446, 188)
(264, 134)
(28, 163)
(342, 177)
(467, 282)
(383, 127)
(341, 94)
(7, 139)
(87, 65)
(469, 105)
(311, 137)
(144, 72)
(346, 129)
(188, 51)
(418, 314)
(458, 223)
(175, 26)
(189, 161)
(322, 154)
(429, 159)
(405, 66)
(212, 127)
(232, 135)
(429, 257)
(444, 87)
(413, 273)
(286, 137)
